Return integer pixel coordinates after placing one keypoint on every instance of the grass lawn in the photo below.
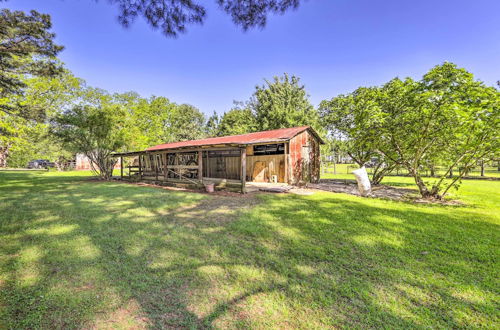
(343, 171)
(77, 253)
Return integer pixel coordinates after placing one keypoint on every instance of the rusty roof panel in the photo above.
(277, 135)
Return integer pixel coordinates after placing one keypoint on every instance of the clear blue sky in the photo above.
(333, 45)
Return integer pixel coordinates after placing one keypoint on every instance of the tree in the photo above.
(172, 16)
(356, 120)
(157, 120)
(27, 48)
(447, 118)
(22, 138)
(96, 128)
(212, 126)
(187, 123)
(239, 120)
(283, 103)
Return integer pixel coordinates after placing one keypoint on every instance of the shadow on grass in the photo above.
(76, 254)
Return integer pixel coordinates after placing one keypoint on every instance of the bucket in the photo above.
(209, 187)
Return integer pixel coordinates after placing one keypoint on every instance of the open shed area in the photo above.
(290, 155)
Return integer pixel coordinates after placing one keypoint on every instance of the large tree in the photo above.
(22, 138)
(446, 118)
(239, 120)
(188, 123)
(212, 125)
(158, 120)
(27, 48)
(356, 119)
(93, 131)
(96, 127)
(283, 103)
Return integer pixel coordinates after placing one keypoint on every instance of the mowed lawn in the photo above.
(79, 253)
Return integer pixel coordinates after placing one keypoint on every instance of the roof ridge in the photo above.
(227, 136)
(261, 136)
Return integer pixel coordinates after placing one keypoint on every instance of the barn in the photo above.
(288, 155)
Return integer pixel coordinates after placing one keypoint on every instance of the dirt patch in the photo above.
(380, 191)
(198, 191)
(348, 187)
(129, 316)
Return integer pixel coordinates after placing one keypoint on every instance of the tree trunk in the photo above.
(451, 173)
(482, 167)
(4, 154)
(433, 170)
(422, 188)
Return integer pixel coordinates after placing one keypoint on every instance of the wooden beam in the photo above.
(200, 165)
(165, 170)
(140, 167)
(182, 166)
(243, 169)
(155, 164)
(287, 147)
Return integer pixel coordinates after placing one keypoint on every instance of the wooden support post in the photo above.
(156, 164)
(208, 165)
(121, 167)
(287, 164)
(140, 167)
(200, 165)
(165, 158)
(243, 169)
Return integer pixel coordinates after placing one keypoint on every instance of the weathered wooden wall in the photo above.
(222, 167)
(272, 166)
(304, 158)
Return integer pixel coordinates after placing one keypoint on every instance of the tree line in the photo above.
(447, 118)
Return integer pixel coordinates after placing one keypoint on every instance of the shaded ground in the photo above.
(350, 187)
(85, 254)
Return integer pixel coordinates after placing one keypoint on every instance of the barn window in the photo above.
(269, 149)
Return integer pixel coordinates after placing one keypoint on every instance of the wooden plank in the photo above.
(200, 165)
(156, 164)
(243, 169)
(140, 167)
(165, 170)
(182, 166)
(287, 151)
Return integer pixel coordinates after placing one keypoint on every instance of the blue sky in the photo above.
(335, 46)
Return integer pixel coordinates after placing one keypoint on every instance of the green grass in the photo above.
(77, 253)
(344, 171)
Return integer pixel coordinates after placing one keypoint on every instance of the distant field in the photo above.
(343, 171)
(76, 253)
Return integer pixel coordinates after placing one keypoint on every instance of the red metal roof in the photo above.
(276, 135)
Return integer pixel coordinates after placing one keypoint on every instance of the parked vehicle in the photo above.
(40, 163)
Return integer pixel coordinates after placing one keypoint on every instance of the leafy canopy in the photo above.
(173, 16)
(283, 103)
(96, 127)
(27, 48)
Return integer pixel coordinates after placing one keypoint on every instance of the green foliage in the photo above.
(447, 119)
(172, 16)
(188, 123)
(283, 103)
(354, 122)
(96, 128)
(157, 120)
(26, 48)
(239, 120)
(212, 126)
(22, 140)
